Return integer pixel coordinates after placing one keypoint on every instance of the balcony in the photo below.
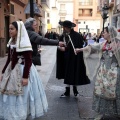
(116, 9)
(19, 2)
(85, 15)
(62, 12)
(46, 4)
(111, 3)
(85, 12)
(85, 3)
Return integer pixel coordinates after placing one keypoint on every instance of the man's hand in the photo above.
(61, 48)
(78, 50)
(61, 44)
(25, 81)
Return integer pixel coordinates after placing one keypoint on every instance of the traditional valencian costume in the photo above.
(106, 72)
(70, 66)
(17, 102)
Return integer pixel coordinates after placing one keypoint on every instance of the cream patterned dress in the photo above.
(106, 98)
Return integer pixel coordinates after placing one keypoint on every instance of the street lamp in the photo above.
(31, 8)
(104, 13)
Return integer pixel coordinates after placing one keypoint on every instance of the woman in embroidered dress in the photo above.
(106, 100)
(22, 93)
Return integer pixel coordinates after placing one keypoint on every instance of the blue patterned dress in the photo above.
(33, 102)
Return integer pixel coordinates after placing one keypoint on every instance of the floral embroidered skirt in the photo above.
(108, 106)
(33, 102)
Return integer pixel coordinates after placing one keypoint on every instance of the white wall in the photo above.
(69, 9)
(44, 24)
(93, 25)
(54, 13)
(54, 18)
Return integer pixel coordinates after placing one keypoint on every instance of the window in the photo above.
(62, 6)
(48, 21)
(12, 9)
(48, 15)
(85, 12)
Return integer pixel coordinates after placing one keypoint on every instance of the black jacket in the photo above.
(36, 40)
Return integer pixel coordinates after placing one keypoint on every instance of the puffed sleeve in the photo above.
(7, 62)
(27, 63)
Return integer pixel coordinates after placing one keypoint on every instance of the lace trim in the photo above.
(9, 92)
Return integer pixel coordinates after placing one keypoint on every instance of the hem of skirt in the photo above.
(23, 118)
(103, 97)
(2, 91)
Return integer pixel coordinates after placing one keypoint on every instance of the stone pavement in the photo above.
(59, 108)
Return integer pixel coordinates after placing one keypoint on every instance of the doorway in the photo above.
(6, 32)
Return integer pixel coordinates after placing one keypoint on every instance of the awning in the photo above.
(35, 7)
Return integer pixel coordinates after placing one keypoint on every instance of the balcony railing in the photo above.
(62, 12)
(116, 9)
(85, 15)
(86, 3)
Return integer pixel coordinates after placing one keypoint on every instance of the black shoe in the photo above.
(75, 91)
(67, 92)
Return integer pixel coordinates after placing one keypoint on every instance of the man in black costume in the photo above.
(70, 66)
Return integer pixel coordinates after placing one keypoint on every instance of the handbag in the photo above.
(37, 59)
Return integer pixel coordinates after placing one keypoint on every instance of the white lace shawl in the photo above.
(93, 53)
(23, 41)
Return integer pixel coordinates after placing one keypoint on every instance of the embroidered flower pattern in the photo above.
(105, 85)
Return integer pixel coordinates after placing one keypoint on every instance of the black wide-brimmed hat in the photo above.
(67, 23)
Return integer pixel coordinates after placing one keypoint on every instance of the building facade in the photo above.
(65, 11)
(13, 10)
(113, 12)
(86, 16)
(10, 10)
(54, 16)
(45, 11)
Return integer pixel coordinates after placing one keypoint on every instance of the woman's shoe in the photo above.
(98, 117)
(67, 92)
(75, 91)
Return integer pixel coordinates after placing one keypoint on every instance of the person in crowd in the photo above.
(106, 99)
(94, 37)
(54, 35)
(36, 39)
(70, 66)
(40, 33)
(89, 37)
(22, 94)
(51, 35)
(46, 35)
(101, 38)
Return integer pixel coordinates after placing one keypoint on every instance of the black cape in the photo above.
(69, 66)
